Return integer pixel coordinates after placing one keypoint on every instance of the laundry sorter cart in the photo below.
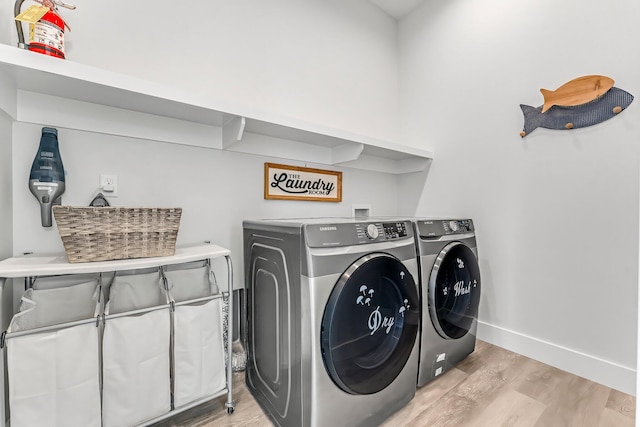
(100, 350)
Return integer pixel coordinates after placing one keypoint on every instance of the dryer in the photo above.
(333, 317)
(450, 293)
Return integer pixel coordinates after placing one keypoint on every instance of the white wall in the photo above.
(6, 216)
(324, 61)
(7, 112)
(7, 27)
(7, 109)
(557, 211)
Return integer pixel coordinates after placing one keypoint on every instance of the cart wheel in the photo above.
(230, 407)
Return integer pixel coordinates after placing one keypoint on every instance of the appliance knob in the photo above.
(453, 225)
(372, 231)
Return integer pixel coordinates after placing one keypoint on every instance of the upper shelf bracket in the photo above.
(346, 152)
(232, 130)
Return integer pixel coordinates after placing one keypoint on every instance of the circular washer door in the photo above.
(370, 324)
(454, 291)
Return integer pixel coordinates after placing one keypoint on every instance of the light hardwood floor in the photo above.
(493, 387)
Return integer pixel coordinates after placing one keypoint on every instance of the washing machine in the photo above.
(333, 317)
(449, 291)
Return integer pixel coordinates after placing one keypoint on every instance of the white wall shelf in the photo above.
(40, 89)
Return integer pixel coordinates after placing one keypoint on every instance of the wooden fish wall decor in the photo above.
(582, 102)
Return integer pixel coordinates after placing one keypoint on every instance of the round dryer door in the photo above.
(370, 324)
(454, 291)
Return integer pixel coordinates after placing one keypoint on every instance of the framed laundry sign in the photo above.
(286, 182)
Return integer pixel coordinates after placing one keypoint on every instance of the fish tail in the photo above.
(530, 122)
(546, 94)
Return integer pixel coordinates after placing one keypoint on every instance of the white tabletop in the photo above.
(56, 264)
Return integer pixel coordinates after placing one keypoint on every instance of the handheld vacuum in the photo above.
(46, 180)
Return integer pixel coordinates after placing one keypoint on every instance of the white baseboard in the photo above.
(595, 369)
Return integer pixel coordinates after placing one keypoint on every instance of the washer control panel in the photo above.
(437, 228)
(382, 230)
(356, 233)
(458, 226)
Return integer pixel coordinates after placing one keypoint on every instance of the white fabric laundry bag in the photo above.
(54, 376)
(63, 281)
(190, 281)
(136, 383)
(136, 291)
(198, 352)
(52, 306)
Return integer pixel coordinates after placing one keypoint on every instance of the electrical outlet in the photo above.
(109, 185)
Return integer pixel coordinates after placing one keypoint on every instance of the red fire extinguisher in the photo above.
(47, 35)
(46, 26)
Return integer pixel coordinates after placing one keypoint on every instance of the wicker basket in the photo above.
(109, 233)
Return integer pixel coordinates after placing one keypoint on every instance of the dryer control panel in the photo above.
(356, 233)
(437, 228)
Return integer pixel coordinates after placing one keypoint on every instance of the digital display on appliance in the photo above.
(394, 229)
